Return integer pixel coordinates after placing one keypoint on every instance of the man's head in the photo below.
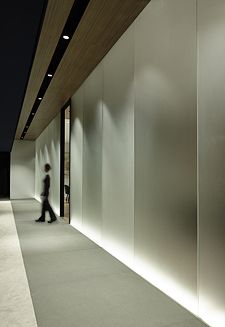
(47, 167)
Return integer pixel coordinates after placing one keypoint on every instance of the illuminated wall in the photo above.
(92, 154)
(165, 148)
(22, 170)
(147, 157)
(211, 145)
(47, 150)
(76, 159)
(105, 216)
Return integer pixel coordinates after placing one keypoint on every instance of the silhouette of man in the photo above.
(45, 203)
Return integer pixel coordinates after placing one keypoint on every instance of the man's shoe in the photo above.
(40, 220)
(51, 221)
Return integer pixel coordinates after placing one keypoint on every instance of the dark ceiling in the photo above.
(20, 24)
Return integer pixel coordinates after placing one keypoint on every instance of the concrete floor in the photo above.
(75, 283)
(16, 307)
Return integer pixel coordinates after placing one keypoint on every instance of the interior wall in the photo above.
(165, 148)
(22, 170)
(133, 150)
(211, 145)
(118, 149)
(76, 159)
(92, 154)
(47, 150)
(161, 209)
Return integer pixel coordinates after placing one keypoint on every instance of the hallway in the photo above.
(75, 283)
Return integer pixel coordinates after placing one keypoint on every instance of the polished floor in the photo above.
(75, 283)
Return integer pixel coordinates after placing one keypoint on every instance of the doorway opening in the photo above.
(4, 175)
(65, 164)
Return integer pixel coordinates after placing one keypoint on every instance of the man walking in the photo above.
(45, 203)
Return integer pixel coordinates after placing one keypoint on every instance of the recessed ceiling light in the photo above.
(40, 98)
(66, 37)
(49, 75)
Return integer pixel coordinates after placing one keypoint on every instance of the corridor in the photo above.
(75, 283)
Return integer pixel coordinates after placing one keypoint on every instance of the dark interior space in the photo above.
(4, 175)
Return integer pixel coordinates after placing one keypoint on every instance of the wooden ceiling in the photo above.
(102, 24)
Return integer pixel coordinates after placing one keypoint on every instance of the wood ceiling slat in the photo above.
(56, 15)
(101, 26)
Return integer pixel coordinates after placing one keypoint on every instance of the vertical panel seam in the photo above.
(82, 156)
(134, 133)
(102, 97)
(197, 150)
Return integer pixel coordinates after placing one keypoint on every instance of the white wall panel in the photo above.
(92, 155)
(211, 126)
(22, 170)
(165, 148)
(118, 148)
(76, 157)
(48, 151)
(149, 123)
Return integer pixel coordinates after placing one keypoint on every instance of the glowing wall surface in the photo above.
(211, 145)
(133, 150)
(118, 149)
(22, 170)
(76, 159)
(92, 155)
(154, 185)
(166, 148)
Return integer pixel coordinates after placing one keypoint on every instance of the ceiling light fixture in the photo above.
(73, 20)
